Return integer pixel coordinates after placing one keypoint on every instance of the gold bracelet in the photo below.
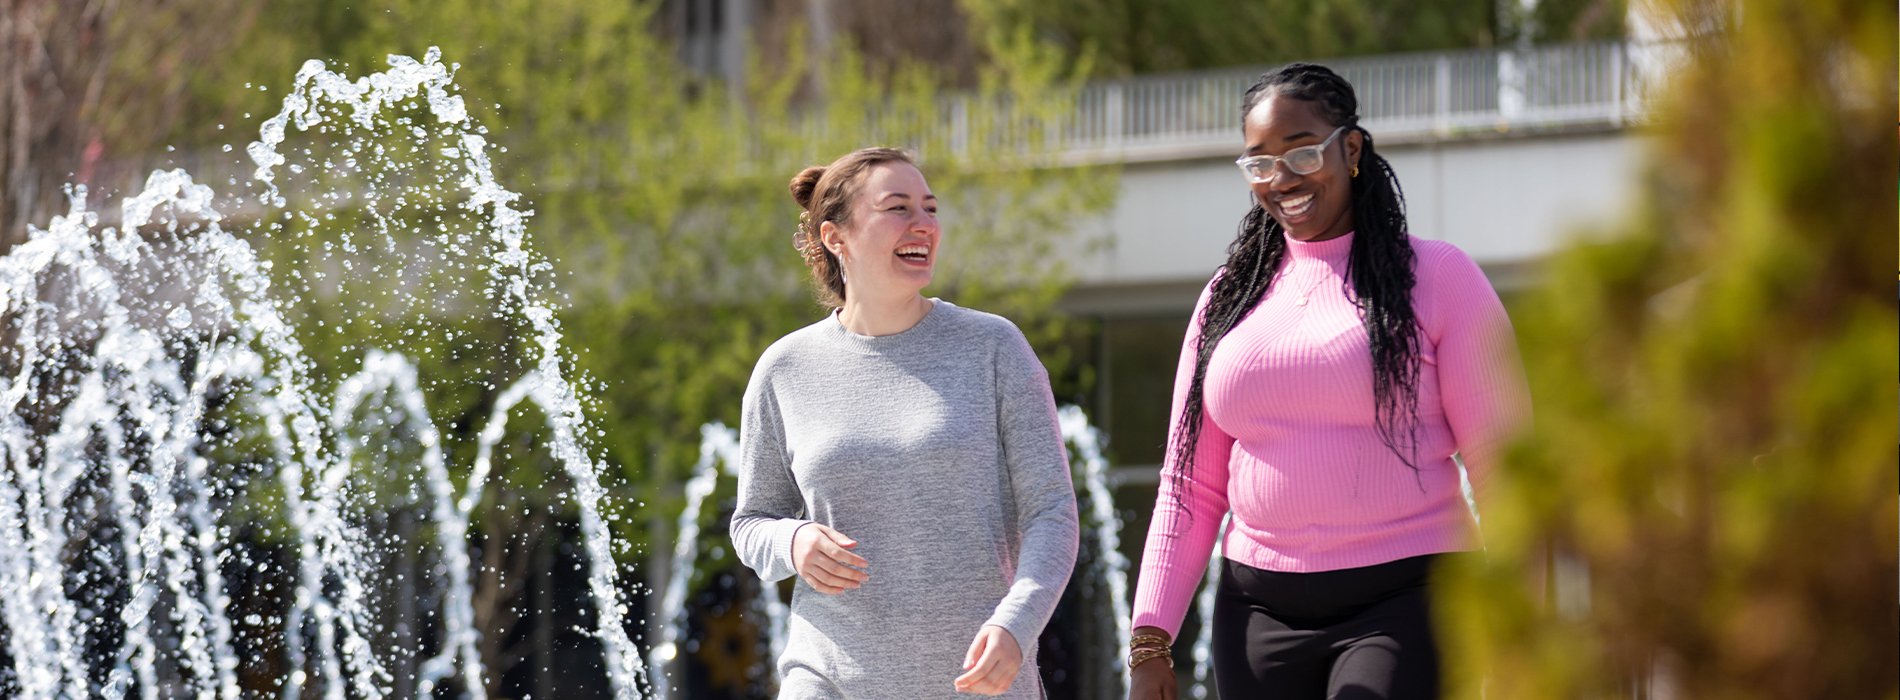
(1143, 641)
(1146, 654)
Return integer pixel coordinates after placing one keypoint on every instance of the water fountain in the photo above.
(1112, 567)
(126, 346)
(718, 455)
(1110, 564)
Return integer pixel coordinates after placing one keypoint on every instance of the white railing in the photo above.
(1403, 98)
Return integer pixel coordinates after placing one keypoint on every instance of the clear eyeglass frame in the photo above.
(1304, 160)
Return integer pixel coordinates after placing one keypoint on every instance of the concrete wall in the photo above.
(1506, 201)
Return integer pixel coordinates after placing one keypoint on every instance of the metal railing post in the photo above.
(1441, 96)
(1618, 110)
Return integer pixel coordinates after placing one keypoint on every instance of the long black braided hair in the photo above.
(1379, 276)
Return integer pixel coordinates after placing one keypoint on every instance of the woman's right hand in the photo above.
(1154, 678)
(823, 557)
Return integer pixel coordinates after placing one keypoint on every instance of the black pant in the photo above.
(1351, 634)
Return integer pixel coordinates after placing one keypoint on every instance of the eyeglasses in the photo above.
(1304, 160)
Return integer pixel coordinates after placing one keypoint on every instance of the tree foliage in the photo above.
(659, 200)
(85, 85)
(659, 209)
(1129, 36)
(1713, 460)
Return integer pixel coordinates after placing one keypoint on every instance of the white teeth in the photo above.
(913, 250)
(1297, 205)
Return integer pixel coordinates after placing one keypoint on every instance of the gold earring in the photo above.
(1355, 171)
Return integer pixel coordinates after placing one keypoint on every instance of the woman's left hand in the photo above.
(992, 662)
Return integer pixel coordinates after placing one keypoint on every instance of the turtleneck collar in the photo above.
(1335, 250)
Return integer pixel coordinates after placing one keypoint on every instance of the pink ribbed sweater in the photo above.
(1288, 439)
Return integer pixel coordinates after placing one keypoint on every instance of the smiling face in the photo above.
(889, 243)
(1311, 207)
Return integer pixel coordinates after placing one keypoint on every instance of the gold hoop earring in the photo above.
(1355, 171)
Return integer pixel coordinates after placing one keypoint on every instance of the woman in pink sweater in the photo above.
(1331, 369)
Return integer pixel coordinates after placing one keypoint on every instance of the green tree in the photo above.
(1713, 460)
(1565, 20)
(88, 86)
(663, 204)
(1130, 36)
(660, 205)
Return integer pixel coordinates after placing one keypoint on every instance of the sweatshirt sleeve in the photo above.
(1044, 495)
(1480, 376)
(770, 505)
(1187, 511)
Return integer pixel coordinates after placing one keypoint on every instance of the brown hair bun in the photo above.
(804, 184)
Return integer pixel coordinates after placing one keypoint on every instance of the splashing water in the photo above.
(718, 454)
(138, 357)
(1111, 566)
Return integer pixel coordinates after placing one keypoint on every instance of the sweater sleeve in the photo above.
(1187, 511)
(1480, 377)
(770, 504)
(1043, 493)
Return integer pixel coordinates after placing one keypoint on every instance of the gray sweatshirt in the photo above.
(936, 449)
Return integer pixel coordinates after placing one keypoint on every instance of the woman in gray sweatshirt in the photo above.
(901, 457)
